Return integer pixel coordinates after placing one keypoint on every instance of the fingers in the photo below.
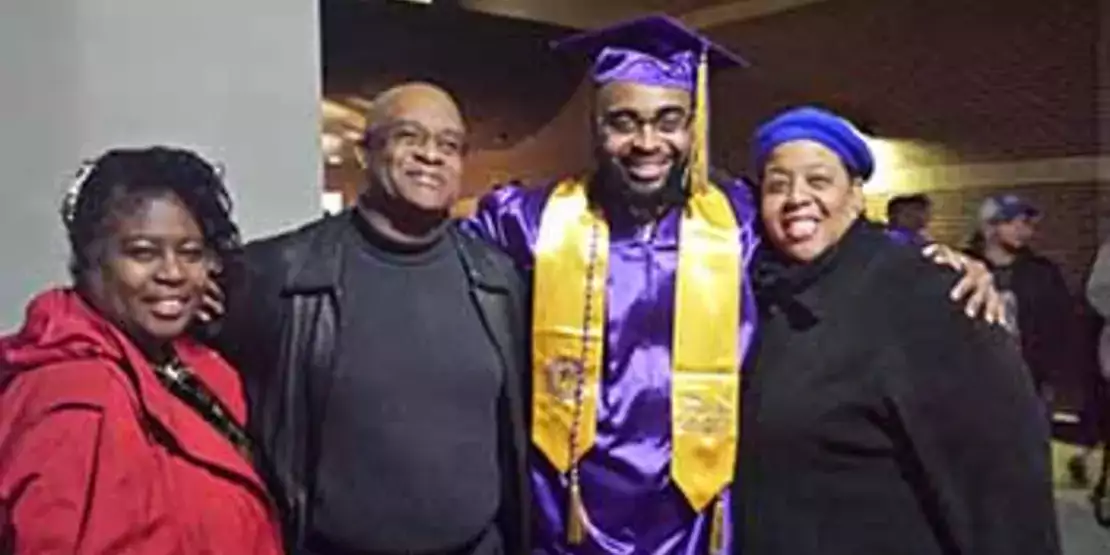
(212, 302)
(996, 308)
(978, 268)
(945, 256)
(963, 288)
(211, 309)
(977, 303)
(212, 289)
(980, 297)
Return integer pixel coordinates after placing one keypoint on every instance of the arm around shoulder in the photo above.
(250, 302)
(508, 218)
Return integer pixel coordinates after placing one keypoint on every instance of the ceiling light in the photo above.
(331, 143)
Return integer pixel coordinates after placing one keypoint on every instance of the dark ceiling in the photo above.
(370, 45)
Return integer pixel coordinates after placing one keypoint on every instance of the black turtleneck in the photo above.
(408, 435)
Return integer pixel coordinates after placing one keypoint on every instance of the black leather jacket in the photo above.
(283, 311)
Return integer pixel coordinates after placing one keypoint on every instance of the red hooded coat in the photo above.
(96, 456)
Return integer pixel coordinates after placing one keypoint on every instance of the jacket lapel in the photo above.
(312, 287)
(497, 300)
(318, 265)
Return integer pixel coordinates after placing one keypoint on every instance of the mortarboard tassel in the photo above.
(699, 153)
(576, 515)
(717, 528)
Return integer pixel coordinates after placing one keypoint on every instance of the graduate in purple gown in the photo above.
(606, 383)
(643, 311)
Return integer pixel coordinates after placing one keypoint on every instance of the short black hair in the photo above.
(121, 179)
(902, 202)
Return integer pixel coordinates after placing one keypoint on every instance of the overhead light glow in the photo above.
(331, 202)
(899, 164)
(886, 160)
(331, 143)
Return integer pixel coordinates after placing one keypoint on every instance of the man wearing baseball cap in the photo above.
(1038, 302)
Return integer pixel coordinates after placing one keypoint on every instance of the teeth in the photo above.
(645, 174)
(169, 305)
(801, 229)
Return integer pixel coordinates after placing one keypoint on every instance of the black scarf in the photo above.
(777, 279)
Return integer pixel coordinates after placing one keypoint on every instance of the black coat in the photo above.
(1050, 330)
(284, 304)
(879, 420)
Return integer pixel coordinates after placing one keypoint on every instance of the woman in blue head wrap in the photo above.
(877, 418)
(813, 165)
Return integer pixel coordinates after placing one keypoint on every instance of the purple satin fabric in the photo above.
(678, 71)
(633, 507)
(906, 237)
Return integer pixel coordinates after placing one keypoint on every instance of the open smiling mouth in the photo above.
(648, 170)
(168, 307)
(800, 228)
(424, 178)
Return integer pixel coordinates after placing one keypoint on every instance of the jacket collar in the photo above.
(478, 261)
(317, 265)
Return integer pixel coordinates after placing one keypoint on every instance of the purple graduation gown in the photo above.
(632, 505)
(905, 236)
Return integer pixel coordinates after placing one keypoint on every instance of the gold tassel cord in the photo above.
(699, 152)
(717, 528)
(576, 515)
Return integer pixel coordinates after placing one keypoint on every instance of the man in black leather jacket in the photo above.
(383, 354)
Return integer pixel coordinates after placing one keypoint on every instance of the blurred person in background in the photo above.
(908, 218)
(1095, 417)
(1039, 307)
(119, 433)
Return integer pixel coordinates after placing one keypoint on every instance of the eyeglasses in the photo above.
(627, 122)
(407, 134)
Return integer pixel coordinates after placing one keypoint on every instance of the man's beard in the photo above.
(614, 191)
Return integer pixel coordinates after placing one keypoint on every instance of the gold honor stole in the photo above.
(568, 332)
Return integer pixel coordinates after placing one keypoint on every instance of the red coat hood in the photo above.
(60, 327)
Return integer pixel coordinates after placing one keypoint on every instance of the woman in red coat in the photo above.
(118, 434)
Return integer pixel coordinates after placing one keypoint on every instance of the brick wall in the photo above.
(990, 81)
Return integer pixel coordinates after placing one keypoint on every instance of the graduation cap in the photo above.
(651, 50)
(657, 50)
